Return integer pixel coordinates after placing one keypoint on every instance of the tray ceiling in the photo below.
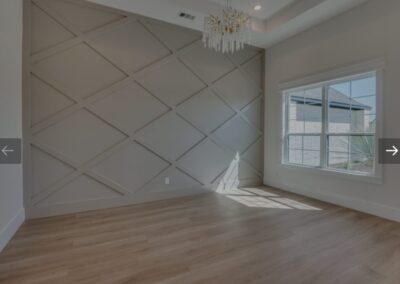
(276, 21)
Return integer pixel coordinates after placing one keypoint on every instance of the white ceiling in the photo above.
(277, 20)
(269, 7)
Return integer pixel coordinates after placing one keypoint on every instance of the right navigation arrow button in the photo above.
(394, 150)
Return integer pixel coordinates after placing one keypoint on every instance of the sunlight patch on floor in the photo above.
(257, 201)
(295, 204)
(228, 186)
(263, 199)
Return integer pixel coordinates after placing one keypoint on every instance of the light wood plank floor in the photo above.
(242, 236)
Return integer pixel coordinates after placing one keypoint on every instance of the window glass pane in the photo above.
(313, 110)
(350, 113)
(339, 114)
(296, 113)
(304, 150)
(363, 87)
(362, 152)
(312, 143)
(296, 157)
(355, 153)
(363, 114)
(338, 155)
(295, 142)
(311, 158)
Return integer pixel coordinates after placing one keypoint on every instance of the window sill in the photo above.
(360, 177)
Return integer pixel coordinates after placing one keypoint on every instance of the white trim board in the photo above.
(339, 72)
(90, 205)
(360, 205)
(11, 228)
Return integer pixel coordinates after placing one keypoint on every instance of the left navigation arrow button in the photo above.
(10, 151)
(5, 150)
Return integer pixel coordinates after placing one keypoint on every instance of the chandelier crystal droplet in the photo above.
(228, 31)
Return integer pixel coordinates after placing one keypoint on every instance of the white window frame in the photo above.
(375, 67)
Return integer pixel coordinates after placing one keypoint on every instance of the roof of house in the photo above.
(336, 99)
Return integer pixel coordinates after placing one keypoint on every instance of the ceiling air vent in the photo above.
(186, 16)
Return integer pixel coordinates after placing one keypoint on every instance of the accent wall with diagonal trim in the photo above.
(122, 109)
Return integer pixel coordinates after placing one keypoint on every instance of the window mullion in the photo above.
(286, 131)
(350, 138)
(324, 138)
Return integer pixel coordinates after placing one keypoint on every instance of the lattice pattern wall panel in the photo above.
(119, 103)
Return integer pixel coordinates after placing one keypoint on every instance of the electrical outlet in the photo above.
(167, 180)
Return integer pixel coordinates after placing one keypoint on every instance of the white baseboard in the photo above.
(89, 205)
(373, 208)
(11, 228)
(137, 198)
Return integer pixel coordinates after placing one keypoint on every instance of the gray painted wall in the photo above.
(119, 104)
(362, 34)
(11, 193)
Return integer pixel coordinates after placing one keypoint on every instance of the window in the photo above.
(332, 125)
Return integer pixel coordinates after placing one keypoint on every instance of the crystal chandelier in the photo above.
(228, 31)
